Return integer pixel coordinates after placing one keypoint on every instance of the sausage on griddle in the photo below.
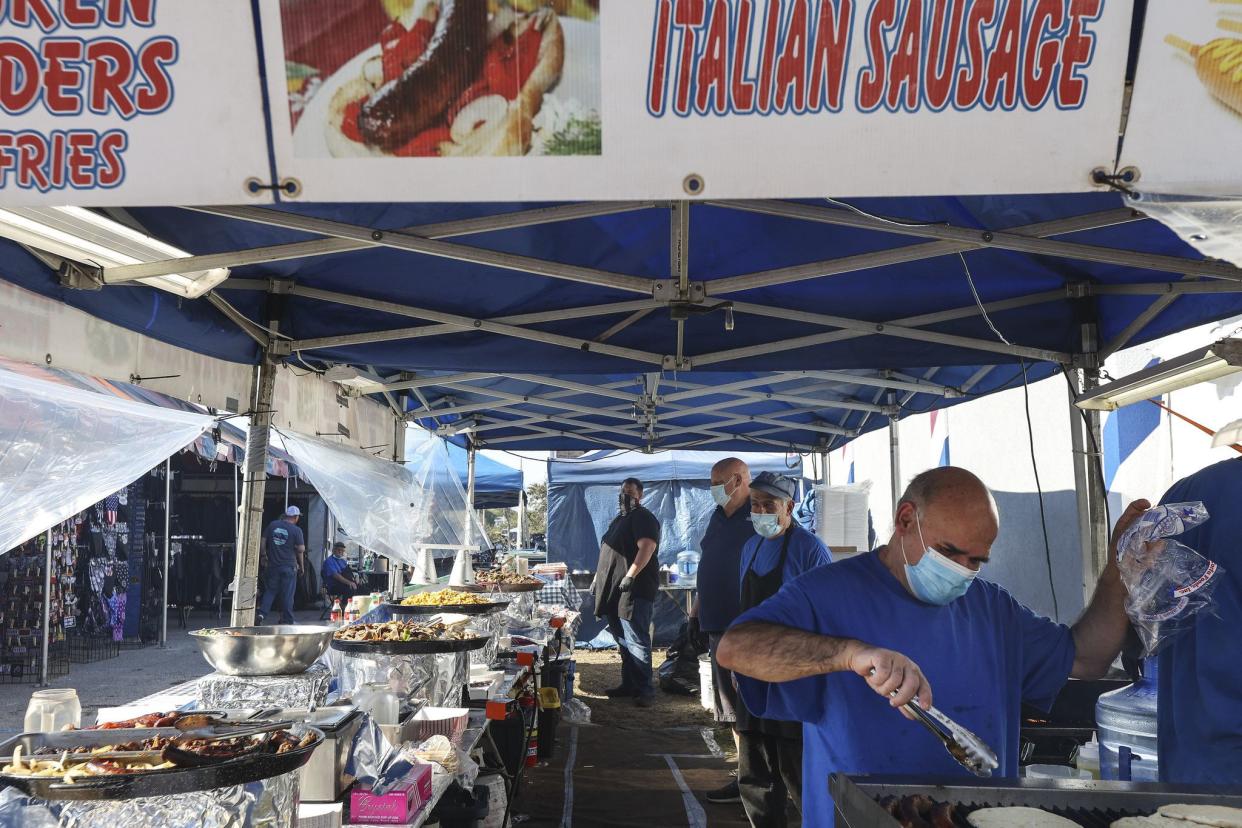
(414, 101)
(942, 816)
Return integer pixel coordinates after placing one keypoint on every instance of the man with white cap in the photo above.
(286, 548)
(770, 750)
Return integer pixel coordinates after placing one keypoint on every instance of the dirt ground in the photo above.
(600, 669)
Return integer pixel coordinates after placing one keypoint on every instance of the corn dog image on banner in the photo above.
(1185, 123)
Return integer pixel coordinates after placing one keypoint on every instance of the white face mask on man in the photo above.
(936, 578)
(721, 494)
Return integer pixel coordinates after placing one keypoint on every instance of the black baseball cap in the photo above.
(777, 485)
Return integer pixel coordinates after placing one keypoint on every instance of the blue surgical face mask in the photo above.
(768, 526)
(936, 579)
(721, 495)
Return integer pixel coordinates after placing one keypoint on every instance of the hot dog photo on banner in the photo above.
(442, 78)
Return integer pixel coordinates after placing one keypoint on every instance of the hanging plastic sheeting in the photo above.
(63, 448)
(387, 507)
(1212, 225)
(445, 493)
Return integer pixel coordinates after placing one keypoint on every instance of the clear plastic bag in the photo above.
(456, 762)
(575, 712)
(1168, 582)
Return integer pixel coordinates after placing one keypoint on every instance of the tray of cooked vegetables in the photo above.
(503, 580)
(125, 763)
(405, 638)
(446, 600)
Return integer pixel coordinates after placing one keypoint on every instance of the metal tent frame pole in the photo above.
(894, 455)
(1082, 485)
(167, 549)
(236, 509)
(254, 489)
(521, 539)
(1097, 552)
(47, 608)
(469, 533)
(396, 584)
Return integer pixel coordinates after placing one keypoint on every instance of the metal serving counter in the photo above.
(857, 799)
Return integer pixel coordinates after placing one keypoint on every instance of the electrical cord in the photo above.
(1043, 517)
(884, 219)
(1030, 433)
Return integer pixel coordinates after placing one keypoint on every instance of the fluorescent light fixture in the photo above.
(347, 376)
(82, 236)
(1203, 365)
(459, 427)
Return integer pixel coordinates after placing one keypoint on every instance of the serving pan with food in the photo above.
(122, 763)
(406, 638)
(446, 600)
(501, 580)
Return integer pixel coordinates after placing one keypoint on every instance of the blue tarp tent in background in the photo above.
(496, 486)
(582, 501)
(582, 497)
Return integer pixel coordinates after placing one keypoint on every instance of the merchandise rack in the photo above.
(86, 649)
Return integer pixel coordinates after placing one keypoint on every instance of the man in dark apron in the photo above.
(770, 751)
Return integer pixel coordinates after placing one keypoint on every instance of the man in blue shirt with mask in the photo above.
(770, 747)
(913, 612)
(716, 606)
(1200, 699)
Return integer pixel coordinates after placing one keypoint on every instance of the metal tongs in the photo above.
(969, 750)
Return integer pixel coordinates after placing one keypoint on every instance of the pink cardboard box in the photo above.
(397, 807)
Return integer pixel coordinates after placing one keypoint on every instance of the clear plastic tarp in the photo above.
(390, 508)
(1210, 224)
(63, 449)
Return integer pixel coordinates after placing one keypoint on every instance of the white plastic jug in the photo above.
(377, 699)
(53, 710)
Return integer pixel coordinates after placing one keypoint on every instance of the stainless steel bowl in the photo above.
(263, 651)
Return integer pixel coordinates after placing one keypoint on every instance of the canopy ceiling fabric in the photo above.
(555, 326)
(64, 448)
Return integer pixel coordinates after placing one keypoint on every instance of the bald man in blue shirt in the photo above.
(913, 612)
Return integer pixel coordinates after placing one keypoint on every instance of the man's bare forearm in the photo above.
(770, 652)
(1101, 631)
(646, 549)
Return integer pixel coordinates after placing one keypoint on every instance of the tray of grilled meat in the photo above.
(906, 802)
(125, 763)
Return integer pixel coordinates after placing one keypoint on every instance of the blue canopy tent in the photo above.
(788, 325)
(582, 500)
(722, 326)
(582, 497)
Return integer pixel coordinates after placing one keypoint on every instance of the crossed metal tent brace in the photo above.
(645, 411)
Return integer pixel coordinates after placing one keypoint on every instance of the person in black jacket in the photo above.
(627, 581)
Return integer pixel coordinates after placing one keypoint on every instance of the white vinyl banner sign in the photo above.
(469, 100)
(1185, 127)
(129, 102)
